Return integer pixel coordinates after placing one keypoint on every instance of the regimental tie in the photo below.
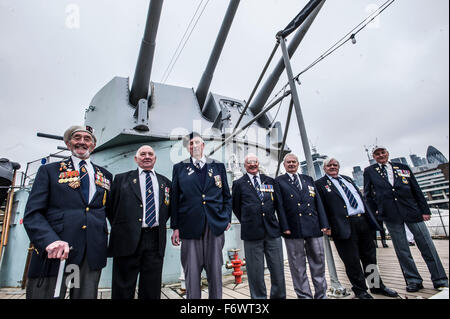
(257, 187)
(150, 209)
(348, 193)
(384, 172)
(84, 180)
(296, 182)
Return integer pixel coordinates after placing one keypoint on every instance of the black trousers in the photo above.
(145, 262)
(358, 249)
(382, 231)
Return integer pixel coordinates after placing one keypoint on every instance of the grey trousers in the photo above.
(426, 247)
(298, 250)
(204, 253)
(88, 281)
(272, 249)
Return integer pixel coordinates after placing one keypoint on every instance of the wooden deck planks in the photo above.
(387, 264)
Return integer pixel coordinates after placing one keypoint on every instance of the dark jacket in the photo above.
(304, 209)
(194, 204)
(56, 211)
(257, 217)
(402, 202)
(127, 213)
(336, 209)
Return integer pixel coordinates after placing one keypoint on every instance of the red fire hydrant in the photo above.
(236, 264)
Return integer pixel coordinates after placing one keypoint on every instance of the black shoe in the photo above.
(440, 287)
(385, 291)
(376, 244)
(414, 287)
(411, 243)
(363, 295)
(385, 245)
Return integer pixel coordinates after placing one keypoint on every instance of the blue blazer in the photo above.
(402, 202)
(56, 211)
(257, 217)
(193, 205)
(304, 209)
(336, 209)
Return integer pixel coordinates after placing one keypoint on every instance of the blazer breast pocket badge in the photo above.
(218, 181)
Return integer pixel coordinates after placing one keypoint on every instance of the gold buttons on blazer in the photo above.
(140, 220)
(204, 203)
(203, 195)
(292, 196)
(298, 204)
(87, 209)
(84, 227)
(140, 205)
(345, 206)
(300, 215)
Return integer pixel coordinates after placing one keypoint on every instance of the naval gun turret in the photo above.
(160, 115)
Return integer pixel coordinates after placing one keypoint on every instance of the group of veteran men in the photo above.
(71, 201)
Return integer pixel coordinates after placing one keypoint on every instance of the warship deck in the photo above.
(387, 264)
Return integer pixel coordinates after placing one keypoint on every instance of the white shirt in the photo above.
(350, 210)
(91, 173)
(202, 161)
(298, 176)
(390, 172)
(253, 181)
(142, 184)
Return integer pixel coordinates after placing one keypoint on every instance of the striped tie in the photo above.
(84, 180)
(257, 187)
(296, 182)
(150, 209)
(348, 193)
(384, 172)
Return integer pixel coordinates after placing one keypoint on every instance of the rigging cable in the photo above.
(174, 59)
(343, 40)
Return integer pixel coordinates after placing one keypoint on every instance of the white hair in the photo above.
(328, 160)
(290, 154)
(137, 152)
(250, 155)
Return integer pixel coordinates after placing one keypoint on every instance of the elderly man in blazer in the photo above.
(392, 190)
(257, 204)
(65, 218)
(200, 214)
(140, 209)
(352, 225)
(307, 221)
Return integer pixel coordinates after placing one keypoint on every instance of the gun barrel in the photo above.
(205, 81)
(269, 85)
(140, 86)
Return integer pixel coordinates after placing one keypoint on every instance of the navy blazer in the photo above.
(193, 205)
(56, 211)
(402, 202)
(258, 217)
(336, 208)
(304, 209)
(127, 213)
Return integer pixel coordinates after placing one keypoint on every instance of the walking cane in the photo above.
(59, 279)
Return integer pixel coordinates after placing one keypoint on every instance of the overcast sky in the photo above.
(391, 86)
